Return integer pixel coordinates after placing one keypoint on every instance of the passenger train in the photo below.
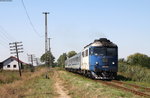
(98, 60)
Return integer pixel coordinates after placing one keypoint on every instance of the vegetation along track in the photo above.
(115, 83)
(119, 85)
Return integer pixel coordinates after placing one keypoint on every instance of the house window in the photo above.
(8, 66)
(14, 66)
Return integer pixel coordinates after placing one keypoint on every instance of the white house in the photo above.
(12, 63)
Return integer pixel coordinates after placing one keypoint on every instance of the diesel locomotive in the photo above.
(98, 60)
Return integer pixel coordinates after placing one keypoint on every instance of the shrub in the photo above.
(139, 59)
(136, 73)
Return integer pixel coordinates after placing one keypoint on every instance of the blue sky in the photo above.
(72, 24)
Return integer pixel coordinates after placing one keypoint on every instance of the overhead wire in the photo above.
(30, 22)
(33, 27)
(6, 35)
(3, 43)
(6, 38)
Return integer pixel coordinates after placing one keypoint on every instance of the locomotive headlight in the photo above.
(97, 63)
(113, 63)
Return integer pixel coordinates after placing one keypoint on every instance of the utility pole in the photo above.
(31, 57)
(16, 47)
(50, 58)
(46, 33)
(36, 60)
(49, 44)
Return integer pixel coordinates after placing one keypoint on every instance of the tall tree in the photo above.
(71, 53)
(61, 60)
(139, 59)
(48, 58)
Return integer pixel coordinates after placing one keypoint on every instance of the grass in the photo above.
(9, 76)
(40, 87)
(36, 85)
(31, 85)
(81, 87)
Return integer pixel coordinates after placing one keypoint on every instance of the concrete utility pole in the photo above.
(49, 44)
(16, 47)
(50, 58)
(46, 33)
(46, 30)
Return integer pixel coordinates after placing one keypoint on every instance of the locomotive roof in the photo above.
(102, 42)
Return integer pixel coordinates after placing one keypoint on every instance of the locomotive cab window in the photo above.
(99, 51)
(104, 51)
(111, 52)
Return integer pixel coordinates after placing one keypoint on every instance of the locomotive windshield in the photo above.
(104, 51)
(111, 52)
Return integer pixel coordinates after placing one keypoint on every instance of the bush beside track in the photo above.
(134, 72)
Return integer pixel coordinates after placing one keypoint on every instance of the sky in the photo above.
(72, 24)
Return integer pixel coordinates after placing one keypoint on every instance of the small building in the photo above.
(11, 63)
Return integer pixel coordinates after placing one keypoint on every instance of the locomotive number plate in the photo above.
(105, 66)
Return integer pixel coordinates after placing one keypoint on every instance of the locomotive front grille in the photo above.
(105, 60)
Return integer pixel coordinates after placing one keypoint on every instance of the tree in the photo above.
(61, 60)
(63, 57)
(48, 58)
(71, 53)
(139, 59)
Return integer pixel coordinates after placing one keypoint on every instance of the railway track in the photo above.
(132, 85)
(122, 86)
(117, 85)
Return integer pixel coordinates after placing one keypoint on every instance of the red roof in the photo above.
(16, 60)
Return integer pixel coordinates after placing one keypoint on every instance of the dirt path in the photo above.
(63, 93)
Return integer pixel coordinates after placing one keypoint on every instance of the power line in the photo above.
(3, 45)
(4, 40)
(33, 27)
(4, 37)
(6, 34)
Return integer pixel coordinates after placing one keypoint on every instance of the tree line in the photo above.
(138, 59)
(50, 59)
